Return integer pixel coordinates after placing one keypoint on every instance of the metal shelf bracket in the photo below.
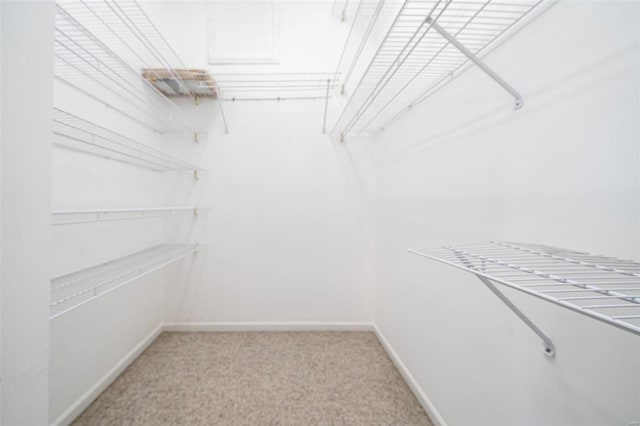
(549, 348)
(518, 101)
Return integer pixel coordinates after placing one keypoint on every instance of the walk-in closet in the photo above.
(320, 212)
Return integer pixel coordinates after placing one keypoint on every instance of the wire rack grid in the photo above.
(601, 287)
(413, 58)
(73, 290)
(87, 37)
(77, 134)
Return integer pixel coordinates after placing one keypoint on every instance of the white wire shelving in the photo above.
(604, 288)
(275, 86)
(73, 290)
(426, 44)
(71, 217)
(77, 134)
(101, 47)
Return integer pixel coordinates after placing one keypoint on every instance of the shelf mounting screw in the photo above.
(518, 103)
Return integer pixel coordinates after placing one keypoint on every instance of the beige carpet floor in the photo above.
(270, 378)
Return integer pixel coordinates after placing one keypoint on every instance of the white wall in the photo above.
(288, 230)
(563, 171)
(27, 70)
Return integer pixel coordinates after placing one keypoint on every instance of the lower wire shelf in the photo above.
(603, 288)
(73, 290)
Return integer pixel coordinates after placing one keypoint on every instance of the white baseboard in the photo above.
(268, 326)
(85, 400)
(423, 399)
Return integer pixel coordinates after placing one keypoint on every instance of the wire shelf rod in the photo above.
(107, 215)
(373, 19)
(582, 290)
(600, 284)
(615, 306)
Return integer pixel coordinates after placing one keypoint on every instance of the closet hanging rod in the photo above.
(78, 134)
(71, 217)
(476, 257)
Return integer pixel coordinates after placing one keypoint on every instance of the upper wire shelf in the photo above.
(73, 290)
(87, 36)
(77, 134)
(603, 288)
(275, 86)
(427, 43)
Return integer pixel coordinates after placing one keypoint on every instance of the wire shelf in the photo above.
(275, 86)
(73, 290)
(77, 134)
(604, 288)
(87, 37)
(71, 217)
(414, 57)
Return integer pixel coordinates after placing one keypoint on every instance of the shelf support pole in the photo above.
(224, 117)
(473, 58)
(326, 105)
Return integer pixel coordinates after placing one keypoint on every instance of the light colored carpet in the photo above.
(269, 378)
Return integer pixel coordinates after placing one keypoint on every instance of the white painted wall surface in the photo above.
(563, 171)
(288, 229)
(27, 75)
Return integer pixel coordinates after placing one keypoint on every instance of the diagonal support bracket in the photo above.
(549, 348)
(473, 58)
